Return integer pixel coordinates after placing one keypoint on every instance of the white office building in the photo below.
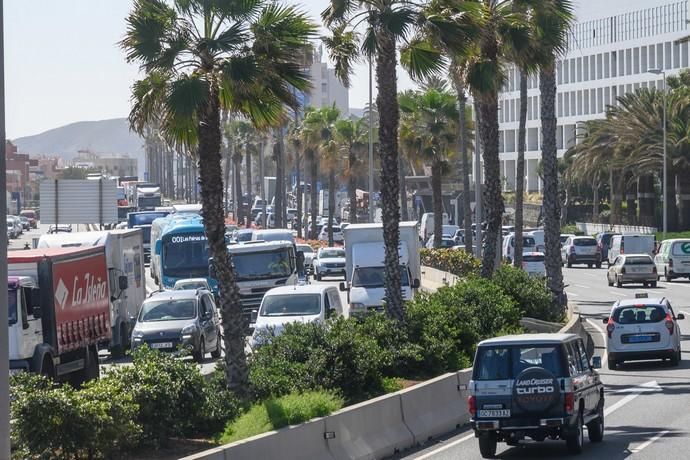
(326, 88)
(611, 50)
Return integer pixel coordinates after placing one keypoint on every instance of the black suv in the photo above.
(538, 386)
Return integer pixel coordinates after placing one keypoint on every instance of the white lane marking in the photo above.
(634, 393)
(605, 356)
(581, 286)
(649, 442)
(618, 293)
(445, 447)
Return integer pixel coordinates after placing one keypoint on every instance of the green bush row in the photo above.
(455, 261)
(156, 398)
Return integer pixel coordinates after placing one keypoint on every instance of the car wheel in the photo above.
(668, 277)
(619, 283)
(576, 440)
(589, 265)
(612, 363)
(487, 445)
(569, 264)
(653, 284)
(608, 280)
(595, 428)
(215, 354)
(598, 264)
(199, 355)
(644, 284)
(674, 360)
(318, 277)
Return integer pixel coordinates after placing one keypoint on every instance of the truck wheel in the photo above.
(668, 277)
(576, 440)
(92, 371)
(487, 445)
(215, 354)
(199, 355)
(47, 369)
(619, 283)
(118, 351)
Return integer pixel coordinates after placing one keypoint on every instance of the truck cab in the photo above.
(24, 320)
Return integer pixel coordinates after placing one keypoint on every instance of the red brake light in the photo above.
(654, 269)
(472, 405)
(623, 270)
(572, 249)
(569, 404)
(610, 327)
(669, 323)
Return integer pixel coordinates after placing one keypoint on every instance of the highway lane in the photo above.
(647, 414)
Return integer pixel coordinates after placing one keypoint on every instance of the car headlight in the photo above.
(188, 330)
(357, 306)
(137, 334)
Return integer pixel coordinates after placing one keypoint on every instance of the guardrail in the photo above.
(433, 279)
(590, 229)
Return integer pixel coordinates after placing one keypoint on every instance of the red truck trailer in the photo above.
(61, 303)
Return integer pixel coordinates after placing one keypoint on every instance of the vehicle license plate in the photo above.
(162, 345)
(640, 338)
(494, 413)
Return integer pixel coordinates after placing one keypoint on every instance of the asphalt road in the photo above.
(647, 403)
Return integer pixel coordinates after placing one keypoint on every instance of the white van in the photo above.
(426, 227)
(673, 259)
(630, 244)
(538, 236)
(528, 245)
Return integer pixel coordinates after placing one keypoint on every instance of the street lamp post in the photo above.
(665, 173)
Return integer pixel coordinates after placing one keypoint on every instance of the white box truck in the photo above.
(364, 264)
(124, 252)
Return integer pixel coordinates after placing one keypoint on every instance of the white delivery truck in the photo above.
(124, 253)
(365, 268)
(630, 244)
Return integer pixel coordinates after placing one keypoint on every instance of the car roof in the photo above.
(583, 237)
(625, 256)
(533, 253)
(331, 248)
(640, 301)
(528, 339)
(192, 280)
(175, 295)
(300, 289)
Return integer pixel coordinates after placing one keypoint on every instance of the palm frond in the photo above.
(342, 46)
(422, 60)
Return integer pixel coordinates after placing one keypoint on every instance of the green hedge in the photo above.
(455, 261)
(531, 294)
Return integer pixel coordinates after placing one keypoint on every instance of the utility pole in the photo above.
(4, 338)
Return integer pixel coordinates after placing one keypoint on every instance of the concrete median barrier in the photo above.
(433, 408)
(369, 430)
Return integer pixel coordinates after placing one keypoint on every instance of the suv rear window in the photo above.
(527, 258)
(585, 242)
(527, 242)
(504, 363)
(638, 261)
(639, 314)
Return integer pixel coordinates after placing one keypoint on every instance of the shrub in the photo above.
(447, 324)
(455, 261)
(61, 422)
(343, 355)
(531, 294)
(276, 413)
(571, 228)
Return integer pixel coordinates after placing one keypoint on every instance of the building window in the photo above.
(559, 137)
(566, 73)
(592, 67)
(659, 56)
(614, 96)
(573, 103)
(684, 54)
(643, 59)
(600, 100)
(584, 63)
(559, 104)
(593, 100)
(607, 63)
(607, 97)
(676, 54)
(572, 70)
(559, 72)
(621, 63)
(566, 105)
(579, 102)
(586, 101)
(636, 61)
(668, 55)
(614, 64)
(628, 61)
(600, 65)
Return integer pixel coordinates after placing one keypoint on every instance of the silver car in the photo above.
(632, 268)
(175, 320)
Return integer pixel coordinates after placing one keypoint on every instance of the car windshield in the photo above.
(149, 202)
(305, 248)
(167, 310)
(185, 256)
(606, 238)
(372, 277)
(12, 306)
(681, 248)
(507, 362)
(585, 242)
(639, 260)
(190, 285)
(144, 219)
(639, 314)
(331, 253)
(291, 305)
(263, 265)
(527, 242)
(244, 236)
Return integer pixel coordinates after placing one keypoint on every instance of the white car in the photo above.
(329, 262)
(309, 254)
(581, 250)
(533, 263)
(337, 234)
(447, 241)
(294, 304)
(642, 328)
(508, 247)
(191, 283)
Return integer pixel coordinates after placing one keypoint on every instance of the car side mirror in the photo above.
(680, 316)
(343, 287)
(415, 283)
(605, 320)
(122, 283)
(596, 362)
(159, 247)
(36, 312)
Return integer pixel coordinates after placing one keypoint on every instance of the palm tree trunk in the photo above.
(464, 156)
(239, 215)
(278, 209)
(331, 204)
(520, 171)
(437, 201)
(352, 185)
(403, 189)
(248, 165)
(552, 205)
(684, 192)
(616, 184)
(672, 207)
(229, 153)
(631, 199)
(298, 194)
(237, 372)
(646, 199)
(389, 118)
(595, 202)
(312, 199)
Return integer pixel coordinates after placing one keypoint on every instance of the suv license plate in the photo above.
(494, 413)
(162, 345)
(639, 338)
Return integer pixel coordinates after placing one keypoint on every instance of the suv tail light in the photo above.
(569, 404)
(610, 327)
(623, 270)
(654, 269)
(472, 405)
(572, 249)
(670, 263)
(669, 323)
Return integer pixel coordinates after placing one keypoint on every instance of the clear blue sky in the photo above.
(63, 63)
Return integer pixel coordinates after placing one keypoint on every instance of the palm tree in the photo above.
(552, 22)
(297, 148)
(387, 23)
(353, 135)
(430, 119)
(198, 56)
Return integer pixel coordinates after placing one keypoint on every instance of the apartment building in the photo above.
(611, 50)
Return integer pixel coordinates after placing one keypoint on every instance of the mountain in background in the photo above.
(104, 137)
